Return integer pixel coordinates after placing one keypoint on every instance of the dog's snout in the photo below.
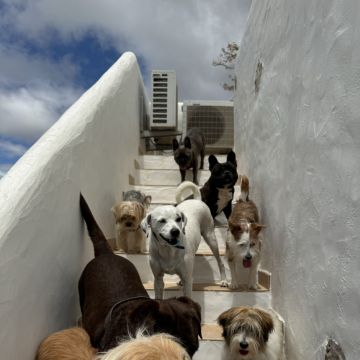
(244, 344)
(175, 232)
(248, 257)
(128, 224)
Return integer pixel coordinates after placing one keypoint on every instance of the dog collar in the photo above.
(107, 321)
(175, 246)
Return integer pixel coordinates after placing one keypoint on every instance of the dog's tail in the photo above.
(187, 187)
(97, 237)
(244, 188)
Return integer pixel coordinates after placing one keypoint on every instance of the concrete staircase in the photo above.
(158, 176)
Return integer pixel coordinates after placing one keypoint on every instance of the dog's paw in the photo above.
(234, 285)
(224, 283)
(253, 286)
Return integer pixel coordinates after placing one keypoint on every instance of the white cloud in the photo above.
(182, 35)
(26, 113)
(12, 149)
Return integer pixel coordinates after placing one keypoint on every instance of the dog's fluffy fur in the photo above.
(243, 244)
(69, 344)
(155, 347)
(252, 333)
(115, 305)
(175, 235)
(128, 216)
(218, 191)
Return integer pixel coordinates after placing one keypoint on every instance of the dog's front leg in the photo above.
(159, 286)
(253, 277)
(158, 278)
(182, 173)
(210, 239)
(227, 209)
(186, 278)
(234, 284)
(195, 172)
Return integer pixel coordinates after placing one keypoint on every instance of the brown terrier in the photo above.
(243, 245)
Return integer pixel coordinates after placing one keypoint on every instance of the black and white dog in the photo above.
(218, 191)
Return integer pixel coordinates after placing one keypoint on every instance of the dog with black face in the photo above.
(218, 191)
(186, 154)
(252, 333)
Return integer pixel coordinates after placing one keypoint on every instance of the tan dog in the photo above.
(69, 344)
(128, 215)
(243, 244)
(155, 347)
(252, 333)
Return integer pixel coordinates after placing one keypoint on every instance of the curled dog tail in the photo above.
(97, 237)
(186, 187)
(244, 188)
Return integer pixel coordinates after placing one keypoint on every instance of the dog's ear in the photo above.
(113, 210)
(141, 210)
(257, 227)
(144, 226)
(212, 162)
(148, 219)
(266, 323)
(184, 221)
(231, 157)
(175, 144)
(187, 142)
(225, 318)
(147, 201)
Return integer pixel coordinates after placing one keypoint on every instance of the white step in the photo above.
(162, 162)
(166, 177)
(211, 345)
(206, 269)
(209, 350)
(214, 299)
(166, 194)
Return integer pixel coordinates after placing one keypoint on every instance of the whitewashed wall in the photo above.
(91, 149)
(298, 138)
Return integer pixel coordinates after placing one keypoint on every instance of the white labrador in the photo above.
(175, 234)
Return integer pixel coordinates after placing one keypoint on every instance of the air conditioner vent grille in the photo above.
(216, 123)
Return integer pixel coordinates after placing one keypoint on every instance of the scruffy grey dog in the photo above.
(128, 216)
(135, 195)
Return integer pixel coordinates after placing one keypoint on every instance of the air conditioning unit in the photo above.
(215, 119)
(164, 100)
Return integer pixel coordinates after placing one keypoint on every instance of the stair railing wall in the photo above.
(91, 149)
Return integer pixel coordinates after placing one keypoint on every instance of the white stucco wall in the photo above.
(91, 148)
(298, 139)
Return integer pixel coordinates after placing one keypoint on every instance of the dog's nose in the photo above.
(128, 224)
(175, 232)
(244, 344)
(248, 257)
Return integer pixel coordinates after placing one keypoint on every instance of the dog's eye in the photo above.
(163, 221)
(242, 244)
(178, 219)
(252, 244)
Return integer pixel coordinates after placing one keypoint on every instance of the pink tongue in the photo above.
(247, 263)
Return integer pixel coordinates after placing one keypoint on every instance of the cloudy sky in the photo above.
(53, 50)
